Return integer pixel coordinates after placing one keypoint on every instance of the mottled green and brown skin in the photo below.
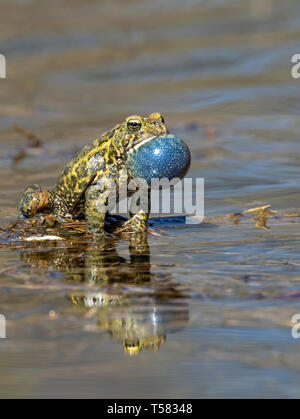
(77, 194)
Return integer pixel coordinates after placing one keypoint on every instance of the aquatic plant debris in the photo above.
(39, 229)
(41, 238)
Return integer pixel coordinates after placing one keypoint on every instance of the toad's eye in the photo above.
(134, 124)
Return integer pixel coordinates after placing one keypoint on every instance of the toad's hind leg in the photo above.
(35, 201)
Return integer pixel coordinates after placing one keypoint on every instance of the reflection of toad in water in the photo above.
(133, 305)
(137, 319)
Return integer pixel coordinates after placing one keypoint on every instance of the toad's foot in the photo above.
(137, 223)
(35, 201)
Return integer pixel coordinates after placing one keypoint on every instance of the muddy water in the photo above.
(209, 306)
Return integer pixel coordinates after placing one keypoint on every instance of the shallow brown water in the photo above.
(217, 298)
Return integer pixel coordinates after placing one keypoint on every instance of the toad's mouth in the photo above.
(135, 145)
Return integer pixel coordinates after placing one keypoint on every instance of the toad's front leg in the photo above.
(95, 209)
(139, 212)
